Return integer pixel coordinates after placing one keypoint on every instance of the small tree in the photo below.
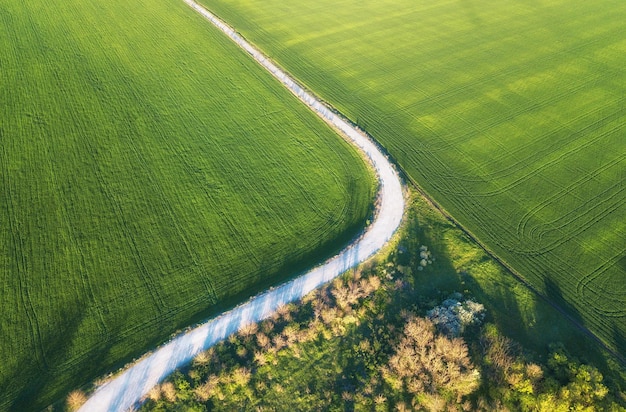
(75, 400)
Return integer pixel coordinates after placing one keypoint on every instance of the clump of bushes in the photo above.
(75, 400)
(430, 368)
(386, 356)
(454, 315)
(425, 257)
(561, 384)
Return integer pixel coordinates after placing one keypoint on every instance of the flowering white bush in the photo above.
(453, 316)
(426, 258)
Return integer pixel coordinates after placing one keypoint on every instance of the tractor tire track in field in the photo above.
(127, 389)
(21, 267)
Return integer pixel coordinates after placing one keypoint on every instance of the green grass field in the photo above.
(510, 114)
(150, 174)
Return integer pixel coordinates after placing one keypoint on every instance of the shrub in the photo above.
(75, 400)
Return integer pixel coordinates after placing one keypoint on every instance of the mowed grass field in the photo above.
(150, 175)
(510, 114)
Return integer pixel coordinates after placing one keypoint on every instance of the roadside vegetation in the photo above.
(150, 175)
(510, 114)
(402, 334)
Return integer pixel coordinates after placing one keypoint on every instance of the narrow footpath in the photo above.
(128, 388)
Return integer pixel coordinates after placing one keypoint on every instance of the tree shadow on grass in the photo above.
(439, 277)
(62, 372)
(534, 320)
(618, 367)
(55, 348)
(620, 340)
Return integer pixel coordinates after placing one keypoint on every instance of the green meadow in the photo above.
(511, 115)
(150, 175)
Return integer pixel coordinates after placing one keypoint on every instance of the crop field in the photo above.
(510, 114)
(150, 175)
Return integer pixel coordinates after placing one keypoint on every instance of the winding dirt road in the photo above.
(127, 389)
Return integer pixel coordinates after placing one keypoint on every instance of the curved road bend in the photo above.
(127, 389)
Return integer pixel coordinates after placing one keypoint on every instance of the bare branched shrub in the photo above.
(374, 282)
(261, 386)
(267, 326)
(291, 334)
(402, 407)
(338, 328)
(101, 381)
(425, 363)
(202, 358)
(194, 374)
(204, 392)
(318, 308)
(262, 340)
(380, 399)
(154, 393)
(336, 284)
(241, 376)
(305, 335)
(341, 295)
(75, 400)
(500, 354)
(328, 315)
(259, 358)
(399, 284)
(279, 342)
(242, 352)
(495, 406)
(433, 402)
(284, 312)
(169, 391)
(355, 293)
(534, 371)
(309, 297)
(248, 330)
(415, 385)
(514, 378)
(365, 287)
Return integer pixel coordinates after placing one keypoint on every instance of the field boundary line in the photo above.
(129, 388)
